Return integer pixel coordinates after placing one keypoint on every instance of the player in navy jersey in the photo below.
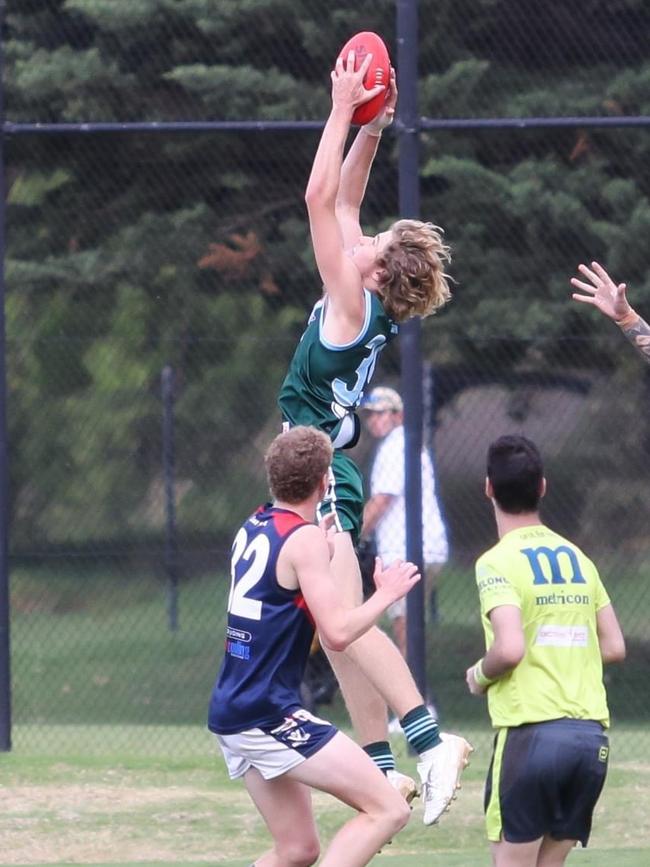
(370, 285)
(282, 590)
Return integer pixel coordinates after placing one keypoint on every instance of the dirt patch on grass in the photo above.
(91, 798)
(96, 823)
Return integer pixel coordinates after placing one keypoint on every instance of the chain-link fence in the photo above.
(132, 252)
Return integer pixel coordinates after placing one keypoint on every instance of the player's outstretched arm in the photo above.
(356, 168)
(338, 273)
(611, 299)
(308, 552)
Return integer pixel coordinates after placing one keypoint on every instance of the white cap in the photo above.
(383, 399)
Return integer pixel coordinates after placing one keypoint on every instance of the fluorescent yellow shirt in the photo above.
(559, 591)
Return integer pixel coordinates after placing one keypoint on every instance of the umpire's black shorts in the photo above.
(545, 779)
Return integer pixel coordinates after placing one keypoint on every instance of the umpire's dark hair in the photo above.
(515, 470)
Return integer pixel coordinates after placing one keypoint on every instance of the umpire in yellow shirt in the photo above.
(549, 627)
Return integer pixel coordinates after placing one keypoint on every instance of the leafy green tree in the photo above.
(129, 252)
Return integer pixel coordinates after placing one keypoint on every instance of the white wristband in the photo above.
(479, 675)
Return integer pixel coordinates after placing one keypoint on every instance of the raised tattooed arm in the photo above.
(638, 333)
(610, 298)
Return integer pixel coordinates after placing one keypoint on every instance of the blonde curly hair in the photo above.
(413, 280)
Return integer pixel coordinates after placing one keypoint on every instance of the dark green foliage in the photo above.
(128, 252)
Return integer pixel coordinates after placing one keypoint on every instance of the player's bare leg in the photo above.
(398, 626)
(379, 659)
(553, 853)
(285, 806)
(376, 660)
(506, 854)
(374, 653)
(365, 704)
(367, 711)
(342, 769)
(543, 852)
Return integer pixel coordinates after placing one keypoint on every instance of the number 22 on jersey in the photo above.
(247, 568)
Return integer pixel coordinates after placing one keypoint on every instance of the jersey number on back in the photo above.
(257, 556)
(346, 396)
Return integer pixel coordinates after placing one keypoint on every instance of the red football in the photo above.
(364, 43)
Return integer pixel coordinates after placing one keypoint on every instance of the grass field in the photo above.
(136, 805)
(112, 763)
(92, 646)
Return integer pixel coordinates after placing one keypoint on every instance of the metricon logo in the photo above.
(550, 558)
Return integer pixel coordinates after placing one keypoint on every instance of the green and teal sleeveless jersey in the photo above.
(325, 382)
(559, 592)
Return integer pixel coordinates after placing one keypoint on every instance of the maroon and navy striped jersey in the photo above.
(269, 630)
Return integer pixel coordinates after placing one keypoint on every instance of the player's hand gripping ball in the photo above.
(378, 72)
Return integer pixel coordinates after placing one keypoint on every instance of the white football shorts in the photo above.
(274, 751)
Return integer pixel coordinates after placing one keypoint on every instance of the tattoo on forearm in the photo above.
(639, 335)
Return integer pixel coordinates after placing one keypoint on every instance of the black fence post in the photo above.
(5, 666)
(410, 346)
(171, 546)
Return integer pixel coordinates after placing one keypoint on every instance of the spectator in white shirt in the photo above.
(385, 513)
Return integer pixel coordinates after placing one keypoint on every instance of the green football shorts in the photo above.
(344, 496)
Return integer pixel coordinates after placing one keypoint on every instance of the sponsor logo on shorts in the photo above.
(288, 724)
(306, 716)
(298, 737)
(603, 754)
(292, 729)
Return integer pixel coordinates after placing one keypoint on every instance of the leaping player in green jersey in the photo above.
(370, 285)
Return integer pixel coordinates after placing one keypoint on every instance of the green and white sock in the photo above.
(420, 729)
(382, 755)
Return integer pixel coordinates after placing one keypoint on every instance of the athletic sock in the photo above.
(382, 755)
(420, 729)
